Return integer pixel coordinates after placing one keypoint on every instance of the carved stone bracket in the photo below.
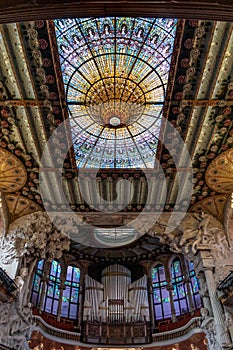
(33, 237)
(194, 231)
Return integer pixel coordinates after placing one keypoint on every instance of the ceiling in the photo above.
(44, 9)
(197, 127)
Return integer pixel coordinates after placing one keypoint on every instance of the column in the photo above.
(151, 301)
(204, 293)
(185, 271)
(81, 293)
(61, 288)
(170, 288)
(44, 284)
(221, 334)
(80, 304)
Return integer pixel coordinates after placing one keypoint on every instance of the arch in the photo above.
(154, 264)
(180, 292)
(55, 288)
(173, 257)
(52, 291)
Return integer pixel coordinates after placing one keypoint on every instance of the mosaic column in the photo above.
(221, 334)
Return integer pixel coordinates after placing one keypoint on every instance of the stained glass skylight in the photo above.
(115, 72)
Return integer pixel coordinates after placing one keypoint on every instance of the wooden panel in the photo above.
(20, 10)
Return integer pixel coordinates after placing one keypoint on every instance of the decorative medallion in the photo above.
(219, 174)
(19, 206)
(212, 205)
(13, 174)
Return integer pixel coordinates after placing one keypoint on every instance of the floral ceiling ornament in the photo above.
(219, 173)
(13, 174)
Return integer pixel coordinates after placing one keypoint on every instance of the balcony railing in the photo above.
(131, 334)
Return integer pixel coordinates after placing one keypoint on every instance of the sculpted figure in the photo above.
(33, 238)
(20, 279)
(4, 313)
(227, 320)
(196, 229)
(15, 324)
(193, 228)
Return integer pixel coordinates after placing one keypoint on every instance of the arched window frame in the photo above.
(180, 292)
(52, 290)
(71, 293)
(37, 283)
(195, 286)
(48, 294)
(161, 306)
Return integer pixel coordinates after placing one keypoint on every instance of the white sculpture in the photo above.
(15, 325)
(194, 230)
(20, 279)
(33, 237)
(30, 238)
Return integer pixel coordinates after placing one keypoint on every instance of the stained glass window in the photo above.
(52, 296)
(115, 71)
(162, 306)
(194, 287)
(71, 293)
(52, 291)
(180, 297)
(37, 283)
(180, 294)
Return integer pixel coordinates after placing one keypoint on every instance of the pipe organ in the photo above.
(116, 299)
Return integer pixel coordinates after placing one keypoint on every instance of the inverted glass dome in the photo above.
(115, 72)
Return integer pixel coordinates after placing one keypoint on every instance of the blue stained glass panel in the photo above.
(40, 265)
(37, 283)
(194, 287)
(70, 296)
(161, 297)
(37, 280)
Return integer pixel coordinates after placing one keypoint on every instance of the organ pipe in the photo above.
(116, 299)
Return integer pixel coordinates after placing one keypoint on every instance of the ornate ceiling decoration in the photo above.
(214, 205)
(200, 9)
(219, 174)
(13, 174)
(19, 206)
(144, 248)
(198, 104)
(115, 72)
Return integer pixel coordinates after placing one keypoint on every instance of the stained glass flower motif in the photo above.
(115, 72)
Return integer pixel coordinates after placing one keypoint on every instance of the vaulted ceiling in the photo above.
(197, 110)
